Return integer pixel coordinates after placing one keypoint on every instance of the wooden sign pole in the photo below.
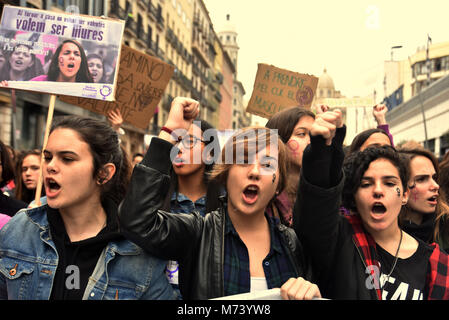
(51, 109)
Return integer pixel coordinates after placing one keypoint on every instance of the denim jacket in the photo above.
(28, 262)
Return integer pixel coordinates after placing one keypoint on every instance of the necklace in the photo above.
(395, 260)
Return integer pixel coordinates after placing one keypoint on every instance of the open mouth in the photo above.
(178, 161)
(250, 194)
(70, 65)
(19, 62)
(378, 208)
(433, 200)
(52, 187)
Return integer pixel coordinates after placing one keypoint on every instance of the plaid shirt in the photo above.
(437, 282)
(277, 265)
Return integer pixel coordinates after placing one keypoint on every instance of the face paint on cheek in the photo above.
(61, 61)
(398, 192)
(274, 178)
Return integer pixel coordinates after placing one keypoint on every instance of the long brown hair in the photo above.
(246, 139)
(22, 192)
(442, 208)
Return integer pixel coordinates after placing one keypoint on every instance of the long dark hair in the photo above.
(360, 139)
(105, 147)
(35, 70)
(7, 165)
(213, 191)
(286, 120)
(97, 56)
(22, 192)
(442, 208)
(82, 75)
(356, 164)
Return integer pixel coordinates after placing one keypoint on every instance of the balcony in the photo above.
(219, 77)
(169, 35)
(184, 81)
(142, 36)
(167, 100)
(143, 3)
(151, 47)
(195, 94)
(116, 10)
(131, 26)
(152, 12)
(160, 54)
(213, 106)
(218, 96)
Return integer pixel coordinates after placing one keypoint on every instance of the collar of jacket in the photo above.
(38, 216)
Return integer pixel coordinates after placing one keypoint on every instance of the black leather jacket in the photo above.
(196, 242)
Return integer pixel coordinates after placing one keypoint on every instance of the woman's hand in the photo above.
(182, 113)
(299, 289)
(379, 112)
(115, 118)
(325, 125)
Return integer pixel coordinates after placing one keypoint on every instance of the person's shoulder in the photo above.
(42, 77)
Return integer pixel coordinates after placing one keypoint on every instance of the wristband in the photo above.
(168, 130)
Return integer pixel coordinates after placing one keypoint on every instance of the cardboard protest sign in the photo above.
(141, 82)
(276, 89)
(43, 47)
(348, 102)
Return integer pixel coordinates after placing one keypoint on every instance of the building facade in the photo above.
(179, 32)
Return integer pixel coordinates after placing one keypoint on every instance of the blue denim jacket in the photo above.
(28, 262)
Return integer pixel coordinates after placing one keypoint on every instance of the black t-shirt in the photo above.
(408, 279)
(77, 260)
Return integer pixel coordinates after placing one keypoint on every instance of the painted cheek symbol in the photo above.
(61, 61)
(274, 177)
(293, 146)
(398, 192)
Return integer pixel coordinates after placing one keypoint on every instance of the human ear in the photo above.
(106, 173)
(405, 196)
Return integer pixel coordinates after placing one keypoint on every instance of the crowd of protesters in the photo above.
(282, 206)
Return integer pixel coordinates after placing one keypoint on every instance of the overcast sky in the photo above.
(351, 38)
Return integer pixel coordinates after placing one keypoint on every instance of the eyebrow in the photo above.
(64, 152)
(383, 178)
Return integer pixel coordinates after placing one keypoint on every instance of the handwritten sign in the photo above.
(79, 52)
(276, 89)
(141, 82)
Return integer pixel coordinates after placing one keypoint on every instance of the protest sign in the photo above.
(141, 82)
(276, 89)
(78, 52)
(348, 102)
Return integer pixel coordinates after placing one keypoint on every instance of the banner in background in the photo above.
(276, 89)
(141, 82)
(78, 52)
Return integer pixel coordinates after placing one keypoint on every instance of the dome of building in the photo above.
(325, 81)
(227, 26)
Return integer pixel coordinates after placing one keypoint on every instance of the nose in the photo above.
(378, 191)
(434, 185)
(50, 166)
(254, 171)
